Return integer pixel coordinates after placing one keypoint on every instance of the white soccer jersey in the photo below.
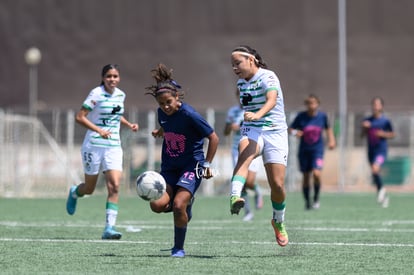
(105, 111)
(253, 97)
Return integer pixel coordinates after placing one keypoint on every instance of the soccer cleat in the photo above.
(71, 202)
(177, 253)
(248, 217)
(308, 205)
(111, 234)
(316, 205)
(280, 233)
(236, 203)
(385, 202)
(259, 200)
(381, 195)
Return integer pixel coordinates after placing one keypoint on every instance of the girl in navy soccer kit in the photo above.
(309, 126)
(378, 129)
(183, 162)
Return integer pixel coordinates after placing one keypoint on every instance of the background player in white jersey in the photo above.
(234, 120)
(102, 114)
(264, 132)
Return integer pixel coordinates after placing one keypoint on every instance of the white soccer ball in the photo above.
(151, 185)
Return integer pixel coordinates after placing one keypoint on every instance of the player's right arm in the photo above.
(295, 132)
(82, 119)
(365, 125)
(158, 132)
(231, 127)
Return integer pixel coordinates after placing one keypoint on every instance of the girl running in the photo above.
(102, 114)
(309, 126)
(378, 129)
(183, 163)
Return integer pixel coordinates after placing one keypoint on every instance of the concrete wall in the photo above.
(297, 38)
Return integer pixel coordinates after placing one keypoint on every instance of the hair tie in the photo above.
(173, 82)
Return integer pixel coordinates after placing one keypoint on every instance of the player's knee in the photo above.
(88, 190)
(317, 175)
(179, 208)
(157, 208)
(113, 190)
(278, 184)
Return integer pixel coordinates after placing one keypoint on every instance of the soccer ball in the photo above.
(151, 185)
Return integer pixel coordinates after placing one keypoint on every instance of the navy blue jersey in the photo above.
(375, 143)
(312, 127)
(184, 133)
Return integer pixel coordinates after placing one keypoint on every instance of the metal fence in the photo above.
(40, 156)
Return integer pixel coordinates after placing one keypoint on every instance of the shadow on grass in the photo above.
(153, 256)
(285, 253)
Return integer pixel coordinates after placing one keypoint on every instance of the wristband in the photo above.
(294, 132)
(206, 164)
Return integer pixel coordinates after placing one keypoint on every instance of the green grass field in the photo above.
(350, 234)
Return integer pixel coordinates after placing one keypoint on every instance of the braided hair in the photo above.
(164, 82)
(258, 60)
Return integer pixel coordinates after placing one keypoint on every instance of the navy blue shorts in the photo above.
(310, 160)
(377, 158)
(187, 178)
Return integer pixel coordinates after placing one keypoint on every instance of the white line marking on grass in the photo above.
(389, 223)
(77, 241)
(342, 229)
(360, 222)
(161, 225)
(128, 227)
(200, 243)
(357, 244)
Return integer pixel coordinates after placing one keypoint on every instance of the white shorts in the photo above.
(273, 146)
(253, 167)
(95, 158)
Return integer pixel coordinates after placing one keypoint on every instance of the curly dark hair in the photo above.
(164, 82)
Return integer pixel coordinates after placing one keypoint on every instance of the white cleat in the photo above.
(385, 202)
(248, 217)
(381, 195)
(316, 205)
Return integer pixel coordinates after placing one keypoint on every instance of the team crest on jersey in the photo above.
(116, 109)
(255, 85)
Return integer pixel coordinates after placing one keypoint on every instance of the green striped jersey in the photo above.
(253, 97)
(105, 111)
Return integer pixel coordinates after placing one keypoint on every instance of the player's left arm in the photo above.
(329, 133)
(133, 126)
(213, 141)
(388, 133)
(331, 138)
